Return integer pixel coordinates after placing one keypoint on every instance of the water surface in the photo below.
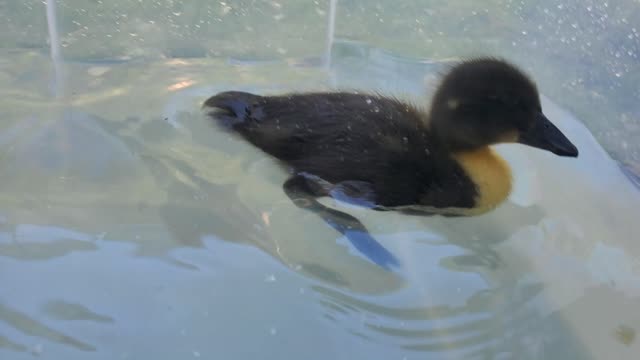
(131, 228)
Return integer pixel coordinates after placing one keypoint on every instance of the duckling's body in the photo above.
(383, 153)
(370, 147)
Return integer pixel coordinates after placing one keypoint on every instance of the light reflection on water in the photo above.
(130, 228)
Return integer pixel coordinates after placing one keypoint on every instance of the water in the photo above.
(130, 228)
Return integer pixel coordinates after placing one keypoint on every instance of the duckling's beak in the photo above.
(544, 135)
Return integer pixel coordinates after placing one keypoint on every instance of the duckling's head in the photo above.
(487, 101)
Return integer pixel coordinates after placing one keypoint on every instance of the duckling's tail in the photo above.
(234, 109)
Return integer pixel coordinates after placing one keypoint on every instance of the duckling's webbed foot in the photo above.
(304, 191)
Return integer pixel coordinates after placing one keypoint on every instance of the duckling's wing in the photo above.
(316, 128)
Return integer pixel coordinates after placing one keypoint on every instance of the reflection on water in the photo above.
(131, 228)
(32, 327)
(65, 311)
(490, 322)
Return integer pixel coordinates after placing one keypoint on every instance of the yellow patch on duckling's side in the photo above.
(491, 174)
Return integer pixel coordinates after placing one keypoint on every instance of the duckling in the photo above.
(386, 154)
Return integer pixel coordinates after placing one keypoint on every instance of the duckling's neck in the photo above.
(491, 175)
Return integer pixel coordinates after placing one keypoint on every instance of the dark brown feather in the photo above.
(351, 137)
